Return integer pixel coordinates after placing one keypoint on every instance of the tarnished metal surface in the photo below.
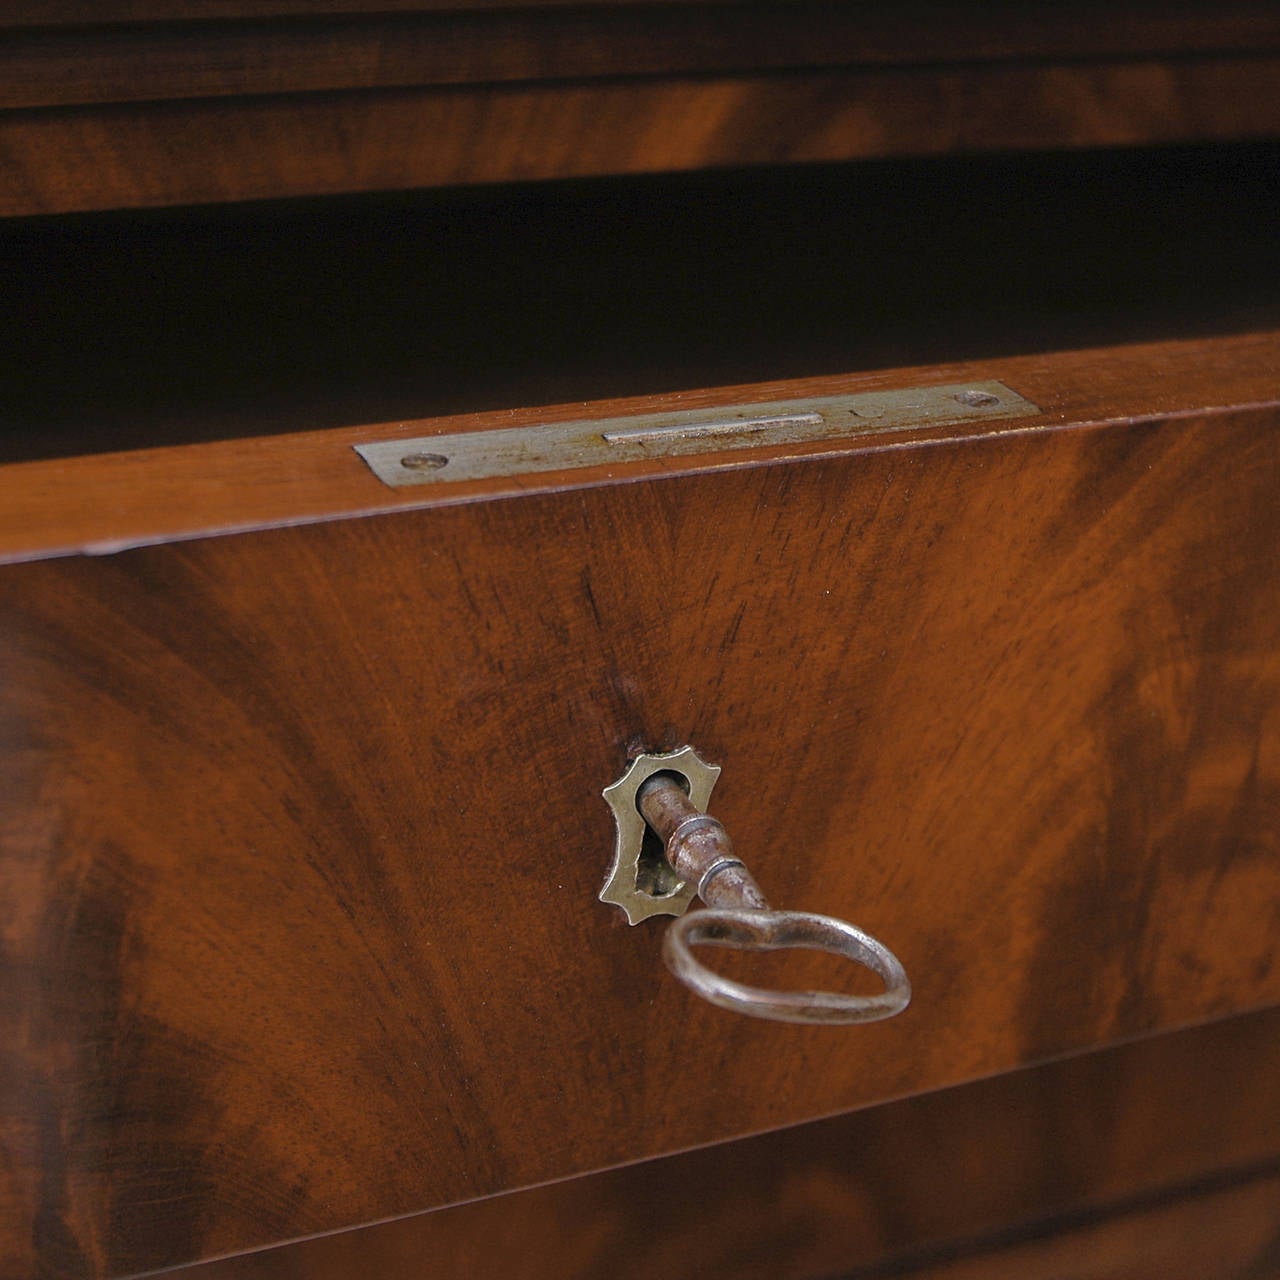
(749, 930)
(659, 791)
(641, 886)
(564, 446)
(697, 846)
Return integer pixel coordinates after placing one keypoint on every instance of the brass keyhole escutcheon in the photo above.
(661, 802)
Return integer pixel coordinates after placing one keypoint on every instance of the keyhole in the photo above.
(654, 875)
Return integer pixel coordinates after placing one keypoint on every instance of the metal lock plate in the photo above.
(595, 442)
(641, 881)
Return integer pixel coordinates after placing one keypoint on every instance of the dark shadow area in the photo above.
(131, 329)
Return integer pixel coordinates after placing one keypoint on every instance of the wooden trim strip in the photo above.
(104, 503)
(58, 67)
(213, 150)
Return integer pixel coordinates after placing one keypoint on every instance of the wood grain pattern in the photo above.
(104, 503)
(303, 828)
(1114, 1136)
(52, 66)
(211, 150)
(1232, 1234)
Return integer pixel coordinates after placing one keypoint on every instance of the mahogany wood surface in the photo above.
(209, 150)
(303, 829)
(106, 502)
(1231, 1234)
(55, 66)
(1101, 1145)
(299, 809)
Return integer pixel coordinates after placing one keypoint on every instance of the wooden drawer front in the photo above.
(303, 828)
(1082, 1149)
(138, 104)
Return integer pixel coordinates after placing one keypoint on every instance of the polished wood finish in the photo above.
(107, 502)
(208, 150)
(138, 105)
(1231, 1234)
(1104, 1145)
(304, 832)
(299, 803)
(56, 67)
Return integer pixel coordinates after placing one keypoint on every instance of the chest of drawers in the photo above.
(303, 830)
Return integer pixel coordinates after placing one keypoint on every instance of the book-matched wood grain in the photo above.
(303, 828)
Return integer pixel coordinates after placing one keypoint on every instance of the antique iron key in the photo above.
(666, 795)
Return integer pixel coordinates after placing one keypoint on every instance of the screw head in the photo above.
(975, 399)
(424, 461)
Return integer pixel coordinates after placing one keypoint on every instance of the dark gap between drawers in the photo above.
(169, 327)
